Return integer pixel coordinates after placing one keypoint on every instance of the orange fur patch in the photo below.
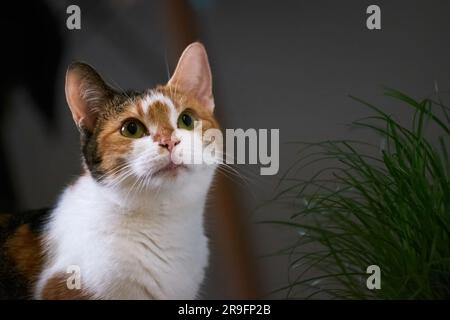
(56, 289)
(111, 144)
(25, 250)
(159, 116)
(183, 101)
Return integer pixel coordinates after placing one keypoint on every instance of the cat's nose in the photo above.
(169, 144)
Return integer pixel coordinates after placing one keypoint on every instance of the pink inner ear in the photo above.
(78, 106)
(73, 97)
(193, 75)
(86, 92)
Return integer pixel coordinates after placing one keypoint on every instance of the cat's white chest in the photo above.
(151, 264)
(156, 252)
(154, 261)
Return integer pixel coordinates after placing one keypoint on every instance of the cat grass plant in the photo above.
(386, 205)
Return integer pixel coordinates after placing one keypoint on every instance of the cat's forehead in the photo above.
(157, 108)
(149, 106)
(155, 98)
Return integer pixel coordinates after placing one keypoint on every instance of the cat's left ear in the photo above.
(193, 75)
(86, 93)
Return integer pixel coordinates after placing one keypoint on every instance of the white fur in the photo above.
(155, 249)
(137, 236)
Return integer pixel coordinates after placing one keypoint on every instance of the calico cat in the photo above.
(131, 226)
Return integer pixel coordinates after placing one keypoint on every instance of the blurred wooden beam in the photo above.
(230, 235)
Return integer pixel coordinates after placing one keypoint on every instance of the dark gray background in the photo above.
(276, 64)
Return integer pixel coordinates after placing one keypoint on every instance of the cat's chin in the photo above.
(171, 170)
(175, 176)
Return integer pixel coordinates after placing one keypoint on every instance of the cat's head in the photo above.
(142, 140)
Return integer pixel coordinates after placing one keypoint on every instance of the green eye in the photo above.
(186, 121)
(133, 129)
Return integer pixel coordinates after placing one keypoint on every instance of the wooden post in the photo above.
(233, 244)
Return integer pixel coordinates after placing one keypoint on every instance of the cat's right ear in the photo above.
(86, 94)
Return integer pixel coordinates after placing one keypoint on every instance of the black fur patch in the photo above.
(13, 284)
(89, 143)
